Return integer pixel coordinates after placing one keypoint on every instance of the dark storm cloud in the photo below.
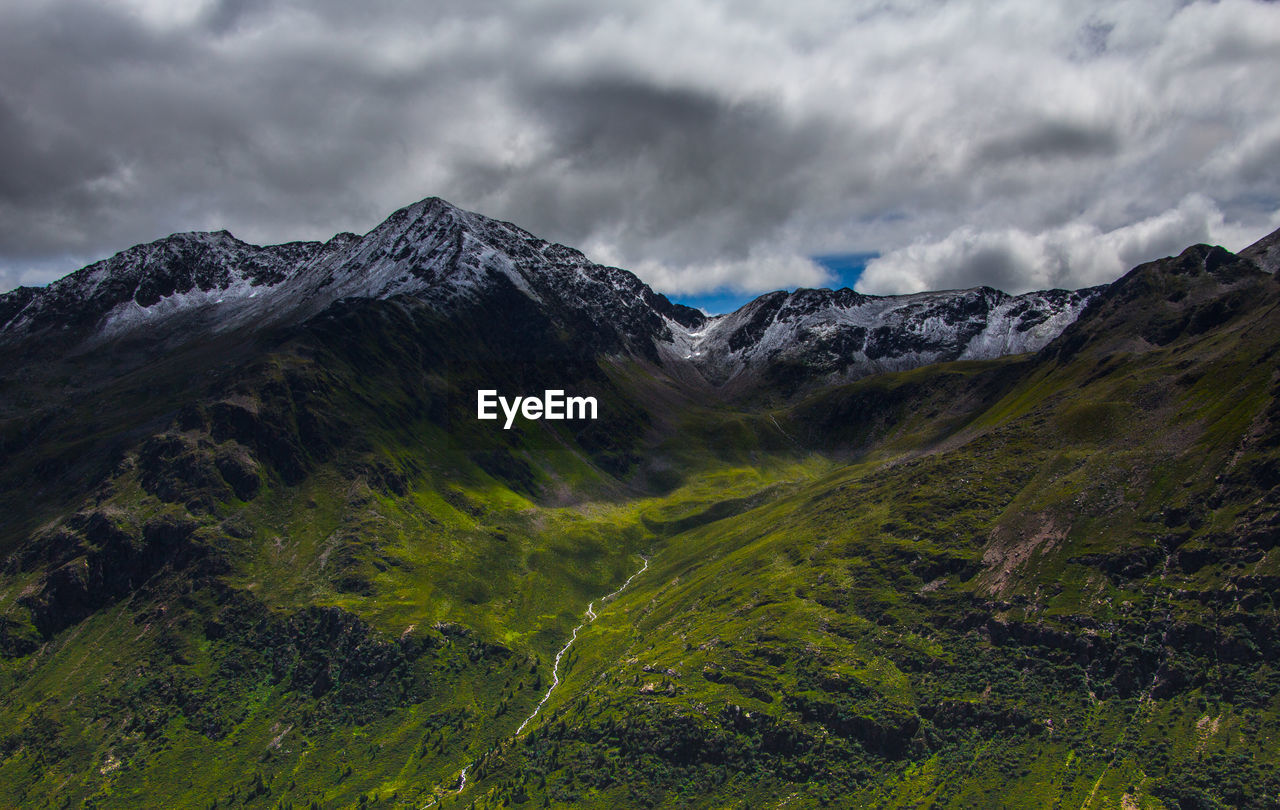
(1050, 140)
(677, 169)
(41, 164)
(700, 145)
(996, 265)
(132, 132)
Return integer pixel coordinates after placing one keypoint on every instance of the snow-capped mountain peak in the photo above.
(197, 283)
(844, 334)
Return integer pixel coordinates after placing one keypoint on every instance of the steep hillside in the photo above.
(1067, 599)
(259, 552)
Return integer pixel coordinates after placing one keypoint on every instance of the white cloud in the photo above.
(756, 273)
(684, 139)
(1069, 256)
(164, 14)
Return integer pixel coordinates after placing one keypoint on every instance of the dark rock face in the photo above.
(786, 341)
(756, 318)
(100, 557)
(14, 301)
(1265, 253)
(195, 286)
(181, 468)
(1163, 301)
(144, 275)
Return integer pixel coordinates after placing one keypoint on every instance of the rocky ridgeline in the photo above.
(193, 285)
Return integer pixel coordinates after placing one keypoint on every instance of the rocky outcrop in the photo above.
(787, 341)
(98, 557)
(195, 286)
(191, 469)
(1265, 252)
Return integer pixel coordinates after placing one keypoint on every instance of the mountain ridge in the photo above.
(287, 567)
(203, 283)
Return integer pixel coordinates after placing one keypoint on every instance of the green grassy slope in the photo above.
(1065, 599)
(1042, 581)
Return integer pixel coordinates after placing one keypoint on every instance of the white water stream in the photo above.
(555, 667)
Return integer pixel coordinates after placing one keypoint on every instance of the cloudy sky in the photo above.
(705, 145)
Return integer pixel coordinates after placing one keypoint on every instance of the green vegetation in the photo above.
(1039, 582)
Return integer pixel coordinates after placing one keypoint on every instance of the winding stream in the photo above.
(590, 616)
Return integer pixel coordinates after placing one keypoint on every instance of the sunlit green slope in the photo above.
(317, 581)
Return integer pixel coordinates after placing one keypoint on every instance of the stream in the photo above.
(589, 617)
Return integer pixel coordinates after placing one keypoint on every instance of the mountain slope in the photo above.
(98, 360)
(1066, 601)
(191, 286)
(274, 560)
(790, 339)
(211, 282)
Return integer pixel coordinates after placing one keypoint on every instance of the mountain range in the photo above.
(195, 285)
(954, 548)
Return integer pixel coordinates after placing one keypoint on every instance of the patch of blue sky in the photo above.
(844, 269)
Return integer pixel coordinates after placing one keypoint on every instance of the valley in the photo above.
(950, 550)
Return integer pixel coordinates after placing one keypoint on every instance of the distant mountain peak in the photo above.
(817, 335)
(199, 283)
